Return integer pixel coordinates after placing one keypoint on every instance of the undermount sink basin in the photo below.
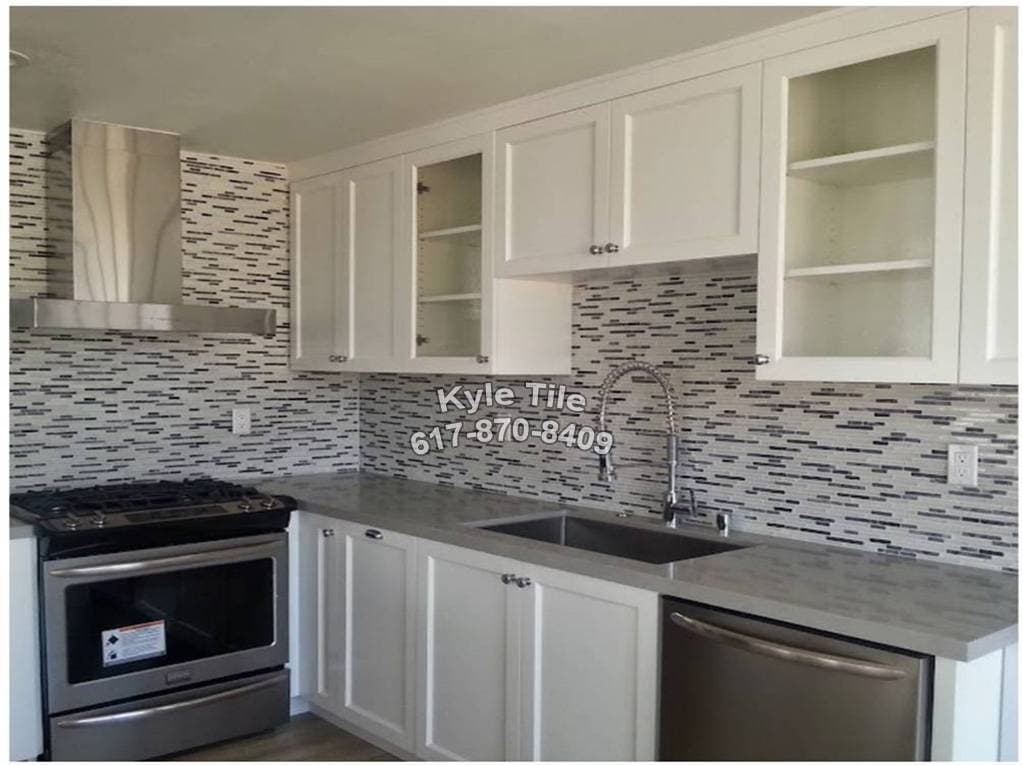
(649, 545)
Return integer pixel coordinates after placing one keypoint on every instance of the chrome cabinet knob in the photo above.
(374, 534)
(481, 359)
(507, 578)
(596, 249)
(523, 581)
(338, 358)
(611, 248)
(760, 359)
(328, 532)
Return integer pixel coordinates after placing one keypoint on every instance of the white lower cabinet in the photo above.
(467, 655)
(523, 662)
(589, 668)
(357, 633)
(452, 654)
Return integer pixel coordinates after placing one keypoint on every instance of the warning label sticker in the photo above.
(134, 642)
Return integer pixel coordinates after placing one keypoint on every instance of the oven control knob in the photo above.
(99, 519)
(267, 503)
(71, 521)
(244, 507)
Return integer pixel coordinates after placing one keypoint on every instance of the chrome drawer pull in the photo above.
(787, 652)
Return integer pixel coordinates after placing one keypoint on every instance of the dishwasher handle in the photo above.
(787, 652)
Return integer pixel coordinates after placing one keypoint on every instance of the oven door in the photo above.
(130, 623)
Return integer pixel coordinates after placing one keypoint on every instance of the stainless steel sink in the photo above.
(649, 545)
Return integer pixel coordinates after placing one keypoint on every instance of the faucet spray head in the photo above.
(607, 469)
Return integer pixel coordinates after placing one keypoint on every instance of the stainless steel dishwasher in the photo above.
(738, 688)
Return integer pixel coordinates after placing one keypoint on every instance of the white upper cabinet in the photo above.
(862, 206)
(669, 174)
(392, 271)
(320, 331)
(449, 295)
(990, 322)
(345, 245)
(552, 186)
(685, 170)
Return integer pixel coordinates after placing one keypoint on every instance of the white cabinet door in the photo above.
(990, 321)
(446, 307)
(320, 276)
(551, 198)
(26, 669)
(468, 656)
(345, 247)
(378, 605)
(860, 257)
(589, 669)
(686, 169)
(357, 603)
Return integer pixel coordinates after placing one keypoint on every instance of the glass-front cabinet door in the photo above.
(450, 264)
(861, 230)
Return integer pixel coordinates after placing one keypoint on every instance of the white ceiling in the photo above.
(280, 83)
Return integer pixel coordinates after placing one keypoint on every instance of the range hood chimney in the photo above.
(113, 222)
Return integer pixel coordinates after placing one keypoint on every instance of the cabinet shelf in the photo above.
(439, 233)
(860, 168)
(859, 268)
(450, 298)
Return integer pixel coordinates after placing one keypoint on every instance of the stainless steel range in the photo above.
(164, 615)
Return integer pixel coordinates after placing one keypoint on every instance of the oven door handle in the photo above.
(177, 706)
(171, 562)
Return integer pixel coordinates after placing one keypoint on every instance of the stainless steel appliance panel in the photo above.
(172, 722)
(115, 193)
(739, 688)
(181, 585)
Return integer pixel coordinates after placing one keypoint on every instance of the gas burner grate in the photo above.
(131, 497)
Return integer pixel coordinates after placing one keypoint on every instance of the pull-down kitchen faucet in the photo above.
(670, 507)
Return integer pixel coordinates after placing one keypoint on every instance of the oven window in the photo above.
(126, 625)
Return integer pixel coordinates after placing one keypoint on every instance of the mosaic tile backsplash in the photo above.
(93, 407)
(847, 464)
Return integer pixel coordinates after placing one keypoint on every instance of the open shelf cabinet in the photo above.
(861, 207)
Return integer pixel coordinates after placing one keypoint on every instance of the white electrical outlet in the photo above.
(241, 420)
(962, 464)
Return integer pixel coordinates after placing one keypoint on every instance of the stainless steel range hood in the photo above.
(113, 223)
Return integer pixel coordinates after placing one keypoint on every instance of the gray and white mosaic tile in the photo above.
(848, 464)
(92, 407)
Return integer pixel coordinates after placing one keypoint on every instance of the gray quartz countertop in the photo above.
(944, 610)
(20, 529)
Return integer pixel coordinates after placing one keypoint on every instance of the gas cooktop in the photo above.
(133, 505)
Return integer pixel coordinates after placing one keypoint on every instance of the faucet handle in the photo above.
(692, 501)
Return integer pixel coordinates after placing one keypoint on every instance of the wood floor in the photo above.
(304, 737)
